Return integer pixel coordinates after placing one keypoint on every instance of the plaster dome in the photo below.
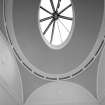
(61, 93)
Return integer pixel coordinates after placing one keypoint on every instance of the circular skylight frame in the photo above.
(56, 22)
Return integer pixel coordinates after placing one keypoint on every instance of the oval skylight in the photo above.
(55, 22)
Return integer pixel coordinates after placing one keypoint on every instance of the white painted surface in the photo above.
(61, 93)
(9, 73)
(6, 98)
(101, 77)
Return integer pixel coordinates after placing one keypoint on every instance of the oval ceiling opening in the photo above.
(56, 22)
